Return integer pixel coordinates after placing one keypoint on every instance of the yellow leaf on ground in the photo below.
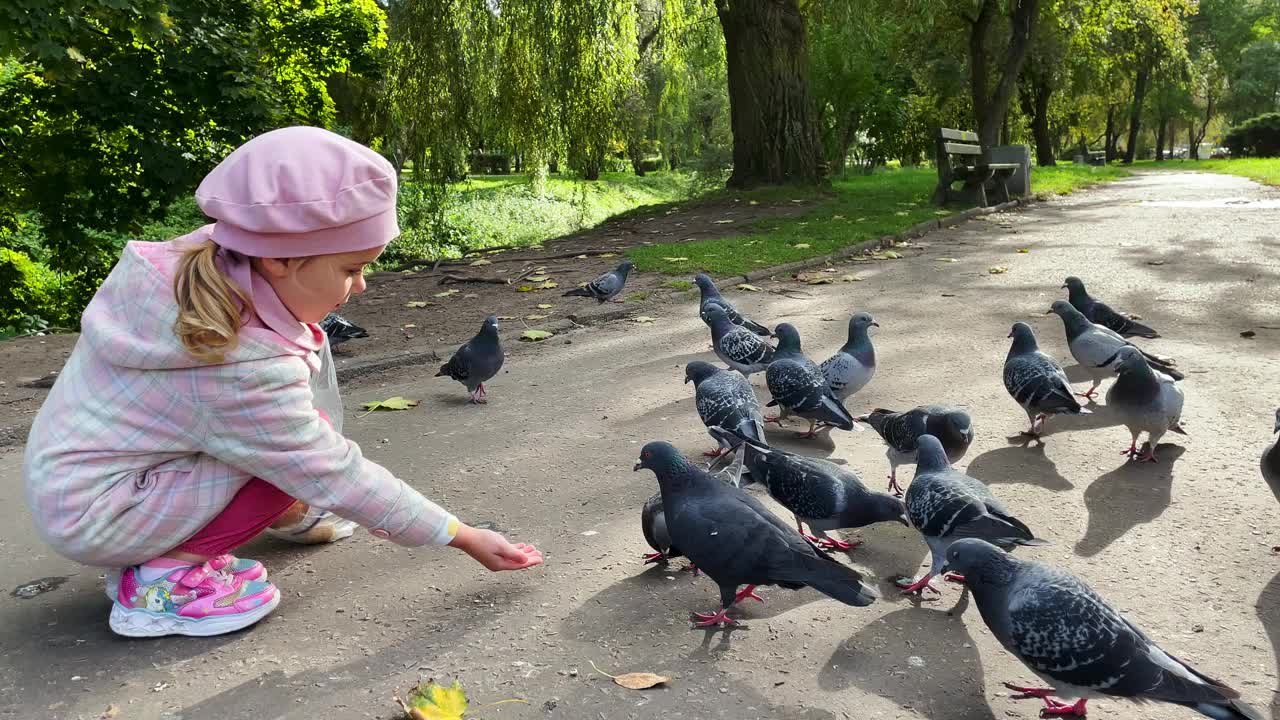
(640, 680)
(891, 255)
(580, 257)
(535, 335)
(429, 701)
(850, 278)
(525, 288)
(535, 317)
(821, 281)
(549, 285)
(395, 403)
(481, 261)
(537, 278)
(726, 221)
(675, 259)
(753, 202)
(802, 246)
(748, 288)
(471, 295)
(544, 306)
(417, 304)
(642, 319)
(604, 255)
(997, 269)
(1024, 251)
(446, 293)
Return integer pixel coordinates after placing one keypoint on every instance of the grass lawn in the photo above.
(858, 208)
(1263, 170)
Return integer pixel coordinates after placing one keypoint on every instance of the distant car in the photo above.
(1220, 153)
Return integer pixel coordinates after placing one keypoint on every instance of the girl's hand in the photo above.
(493, 551)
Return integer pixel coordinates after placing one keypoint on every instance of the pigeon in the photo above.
(799, 387)
(1100, 313)
(738, 347)
(607, 286)
(1090, 344)
(727, 405)
(853, 365)
(653, 523)
(711, 296)
(1271, 461)
(946, 505)
(477, 361)
(1144, 401)
(732, 538)
(1037, 381)
(820, 493)
(1066, 634)
(901, 430)
(340, 330)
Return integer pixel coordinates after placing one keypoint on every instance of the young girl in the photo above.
(199, 406)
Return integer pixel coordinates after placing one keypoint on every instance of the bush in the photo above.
(490, 164)
(31, 295)
(1255, 137)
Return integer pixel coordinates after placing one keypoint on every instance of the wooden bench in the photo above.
(961, 159)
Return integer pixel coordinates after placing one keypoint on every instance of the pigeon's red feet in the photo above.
(747, 592)
(1058, 709)
(715, 618)
(811, 538)
(654, 557)
(691, 568)
(1042, 693)
(714, 453)
(894, 487)
(1088, 394)
(918, 587)
(1148, 456)
(1131, 451)
(954, 577)
(812, 433)
(829, 543)
(774, 419)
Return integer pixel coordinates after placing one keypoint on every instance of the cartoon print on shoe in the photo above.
(199, 600)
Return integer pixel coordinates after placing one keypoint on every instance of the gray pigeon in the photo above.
(799, 387)
(1144, 401)
(853, 365)
(725, 402)
(653, 523)
(1091, 344)
(901, 430)
(1066, 634)
(1271, 462)
(1037, 381)
(822, 494)
(477, 361)
(607, 286)
(1100, 313)
(711, 296)
(738, 347)
(735, 540)
(946, 505)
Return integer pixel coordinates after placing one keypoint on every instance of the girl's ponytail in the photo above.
(208, 321)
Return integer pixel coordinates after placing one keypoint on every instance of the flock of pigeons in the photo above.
(1052, 621)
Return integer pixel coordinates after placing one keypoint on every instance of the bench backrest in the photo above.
(967, 142)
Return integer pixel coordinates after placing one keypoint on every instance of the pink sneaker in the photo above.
(199, 600)
(240, 568)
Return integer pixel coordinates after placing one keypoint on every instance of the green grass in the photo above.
(859, 208)
(1263, 170)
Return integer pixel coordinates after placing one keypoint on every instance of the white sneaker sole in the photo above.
(144, 623)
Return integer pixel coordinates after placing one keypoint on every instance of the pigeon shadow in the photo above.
(907, 656)
(1027, 465)
(1099, 417)
(1079, 374)
(1132, 494)
(788, 438)
(889, 551)
(1268, 607)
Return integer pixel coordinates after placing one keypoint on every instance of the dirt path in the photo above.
(1183, 547)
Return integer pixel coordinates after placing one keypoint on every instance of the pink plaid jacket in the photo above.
(139, 445)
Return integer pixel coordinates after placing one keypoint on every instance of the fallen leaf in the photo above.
(753, 202)
(535, 317)
(481, 261)
(837, 217)
(536, 335)
(544, 306)
(446, 293)
(429, 701)
(675, 259)
(902, 212)
(525, 288)
(891, 255)
(748, 288)
(603, 255)
(580, 257)
(548, 285)
(821, 281)
(471, 295)
(112, 711)
(409, 325)
(417, 304)
(394, 403)
(1024, 251)
(850, 278)
(726, 221)
(997, 269)
(640, 680)
(802, 246)
(537, 278)
(947, 259)
(642, 319)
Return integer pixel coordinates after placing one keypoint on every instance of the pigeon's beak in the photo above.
(638, 467)
(875, 324)
(946, 568)
(686, 379)
(1010, 334)
(1277, 428)
(903, 519)
(1108, 361)
(1064, 287)
(1049, 311)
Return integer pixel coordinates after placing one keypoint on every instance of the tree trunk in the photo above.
(1110, 145)
(775, 133)
(1171, 133)
(1135, 112)
(989, 109)
(1160, 130)
(1197, 136)
(1035, 104)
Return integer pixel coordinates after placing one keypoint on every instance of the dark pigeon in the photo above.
(607, 286)
(1144, 401)
(711, 296)
(340, 330)
(653, 523)
(1036, 381)
(1066, 634)
(945, 505)
(1271, 462)
(727, 405)
(736, 541)
(477, 361)
(738, 347)
(799, 387)
(822, 494)
(1102, 314)
(901, 431)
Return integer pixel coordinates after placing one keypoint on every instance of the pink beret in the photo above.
(301, 191)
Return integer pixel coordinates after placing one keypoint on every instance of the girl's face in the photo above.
(312, 287)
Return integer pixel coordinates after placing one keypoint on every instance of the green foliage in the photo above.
(31, 295)
(1256, 137)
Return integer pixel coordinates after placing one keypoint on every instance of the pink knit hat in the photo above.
(301, 191)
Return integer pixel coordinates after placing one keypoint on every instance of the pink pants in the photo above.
(251, 511)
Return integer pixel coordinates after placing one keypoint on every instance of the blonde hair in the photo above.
(209, 304)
